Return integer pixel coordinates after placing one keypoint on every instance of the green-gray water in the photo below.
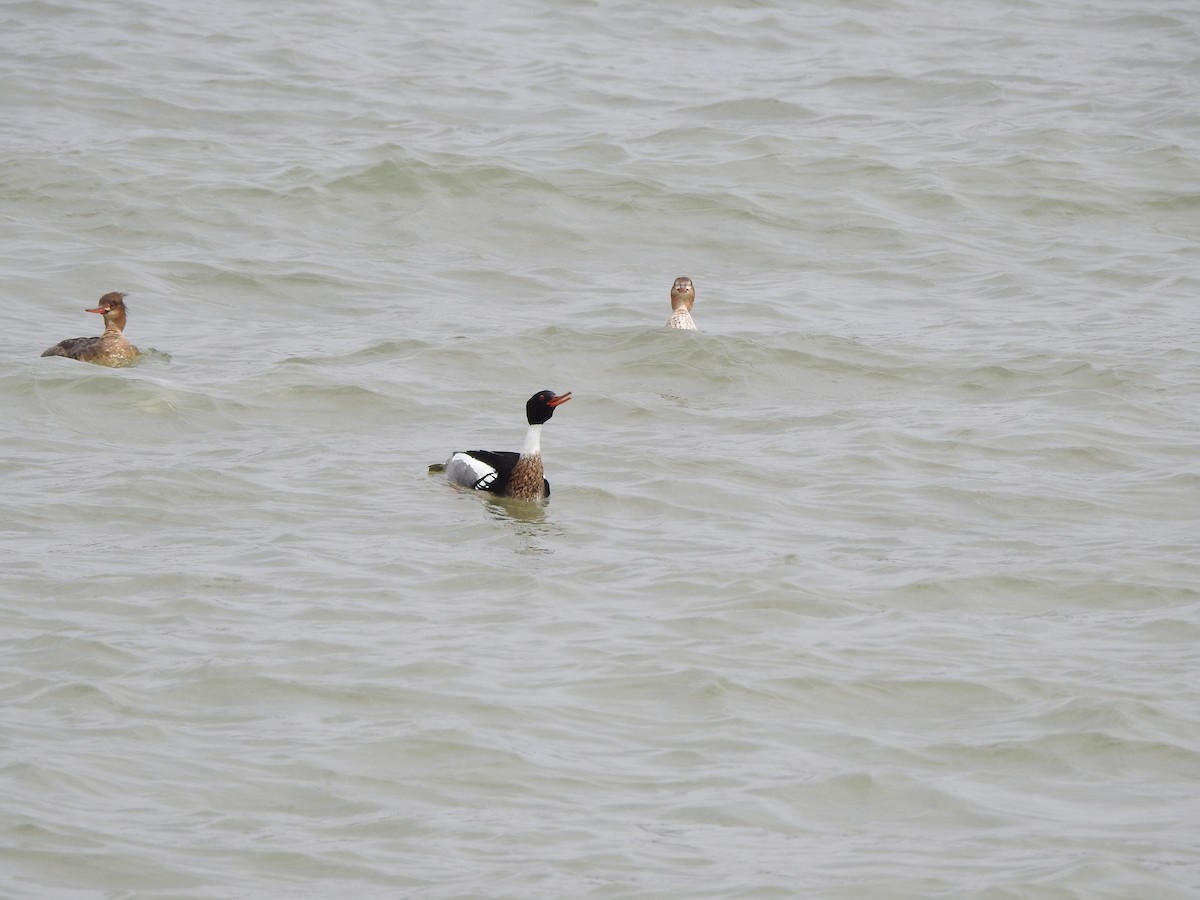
(884, 584)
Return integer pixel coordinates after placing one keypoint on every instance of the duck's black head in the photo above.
(541, 405)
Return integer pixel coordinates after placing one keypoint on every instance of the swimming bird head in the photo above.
(683, 293)
(112, 307)
(541, 405)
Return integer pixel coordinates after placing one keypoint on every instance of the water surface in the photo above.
(882, 584)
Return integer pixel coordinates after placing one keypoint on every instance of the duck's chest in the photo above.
(526, 482)
(114, 350)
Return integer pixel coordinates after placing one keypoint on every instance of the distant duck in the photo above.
(502, 472)
(683, 295)
(108, 349)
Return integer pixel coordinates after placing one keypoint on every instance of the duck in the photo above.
(518, 476)
(683, 295)
(108, 349)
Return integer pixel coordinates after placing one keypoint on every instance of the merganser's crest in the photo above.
(503, 472)
(683, 295)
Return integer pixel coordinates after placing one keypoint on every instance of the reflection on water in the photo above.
(522, 511)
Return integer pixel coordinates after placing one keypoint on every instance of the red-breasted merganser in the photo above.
(108, 349)
(502, 472)
(683, 295)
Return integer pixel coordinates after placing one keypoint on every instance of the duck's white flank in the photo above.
(470, 472)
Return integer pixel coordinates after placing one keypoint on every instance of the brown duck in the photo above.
(108, 349)
(683, 295)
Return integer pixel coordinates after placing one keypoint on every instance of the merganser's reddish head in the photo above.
(683, 293)
(112, 307)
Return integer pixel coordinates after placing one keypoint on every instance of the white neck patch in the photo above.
(533, 441)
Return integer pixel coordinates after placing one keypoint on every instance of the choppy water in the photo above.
(882, 585)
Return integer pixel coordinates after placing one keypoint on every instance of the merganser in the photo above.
(683, 295)
(108, 349)
(502, 472)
